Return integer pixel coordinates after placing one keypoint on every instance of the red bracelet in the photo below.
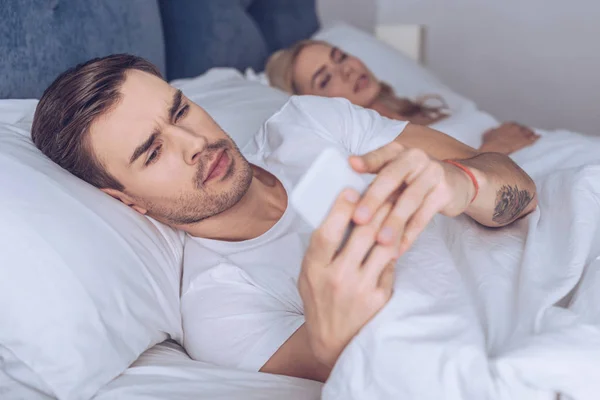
(469, 173)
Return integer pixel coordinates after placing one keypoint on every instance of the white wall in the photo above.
(360, 13)
(533, 61)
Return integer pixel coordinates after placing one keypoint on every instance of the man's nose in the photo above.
(191, 144)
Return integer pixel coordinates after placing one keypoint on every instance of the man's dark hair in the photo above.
(70, 105)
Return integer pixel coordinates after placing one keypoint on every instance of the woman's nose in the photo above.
(346, 70)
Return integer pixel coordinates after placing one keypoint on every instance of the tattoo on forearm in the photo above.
(510, 203)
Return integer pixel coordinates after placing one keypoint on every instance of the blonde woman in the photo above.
(318, 68)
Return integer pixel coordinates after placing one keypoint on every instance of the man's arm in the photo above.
(338, 301)
(341, 291)
(506, 192)
(296, 358)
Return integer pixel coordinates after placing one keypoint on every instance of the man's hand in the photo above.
(343, 289)
(508, 138)
(420, 186)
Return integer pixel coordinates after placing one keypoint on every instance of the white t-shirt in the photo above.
(240, 300)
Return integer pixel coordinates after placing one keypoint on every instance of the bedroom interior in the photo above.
(90, 290)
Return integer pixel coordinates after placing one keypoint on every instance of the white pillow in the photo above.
(239, 106)
(86, 284)
(404, 75)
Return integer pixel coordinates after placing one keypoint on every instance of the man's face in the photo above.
(176, 164)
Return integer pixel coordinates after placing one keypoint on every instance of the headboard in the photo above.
(39, 39)
(231, 33)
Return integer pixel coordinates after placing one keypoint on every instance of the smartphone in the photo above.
(320, 186)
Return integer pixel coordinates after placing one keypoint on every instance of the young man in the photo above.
(117, 124)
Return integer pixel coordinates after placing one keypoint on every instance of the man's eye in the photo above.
(325, 81)
(154, 155)
(182, 113)
(343, 57)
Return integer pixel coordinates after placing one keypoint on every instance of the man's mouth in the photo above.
(218, 165)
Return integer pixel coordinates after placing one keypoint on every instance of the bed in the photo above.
(166, 372)
(133, 322)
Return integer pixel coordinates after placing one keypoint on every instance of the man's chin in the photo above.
(206, 203)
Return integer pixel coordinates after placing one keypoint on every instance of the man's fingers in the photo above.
(408, 203)
(404, 169)
(363, 238)
(386, 279)
(374, 160)
(415, 226)
(378, 260)
(328, 237)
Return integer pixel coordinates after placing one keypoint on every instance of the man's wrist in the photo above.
(465, 186)
(326, 355)
(325, 351)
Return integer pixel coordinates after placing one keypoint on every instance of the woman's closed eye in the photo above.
(325, 81)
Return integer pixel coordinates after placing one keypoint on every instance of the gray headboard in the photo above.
(39, 39)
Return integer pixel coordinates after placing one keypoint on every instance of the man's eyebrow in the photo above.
(175, 104)
(314, 77)
(141, 149)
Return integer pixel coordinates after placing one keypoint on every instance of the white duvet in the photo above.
(480, 313)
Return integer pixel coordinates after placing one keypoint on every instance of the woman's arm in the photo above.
(507, 138)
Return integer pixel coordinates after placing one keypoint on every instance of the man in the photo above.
(117, 124)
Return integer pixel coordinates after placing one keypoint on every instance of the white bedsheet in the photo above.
(166, 372)
(474, 316)
(555, 150)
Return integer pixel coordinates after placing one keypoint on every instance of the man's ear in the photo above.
(125, 199)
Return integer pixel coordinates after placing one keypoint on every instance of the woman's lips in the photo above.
(361, 83)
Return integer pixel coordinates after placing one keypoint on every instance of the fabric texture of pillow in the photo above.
(39, 39)
(239, 106)
(86, 283)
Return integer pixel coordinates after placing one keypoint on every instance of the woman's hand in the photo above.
(508, 138)
(342, 289)
(418, 185)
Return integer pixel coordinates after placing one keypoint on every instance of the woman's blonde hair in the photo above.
(280, 65)
(280, 71)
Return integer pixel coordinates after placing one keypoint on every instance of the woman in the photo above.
(317, 68)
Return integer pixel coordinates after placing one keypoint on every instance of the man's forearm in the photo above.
(506, 192)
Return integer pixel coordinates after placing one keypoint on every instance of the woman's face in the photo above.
(323, 70)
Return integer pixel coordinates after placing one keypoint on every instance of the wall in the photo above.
(360, 13)
(533, 61)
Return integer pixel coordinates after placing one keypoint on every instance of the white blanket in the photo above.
(480, 313)
(166, 372)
